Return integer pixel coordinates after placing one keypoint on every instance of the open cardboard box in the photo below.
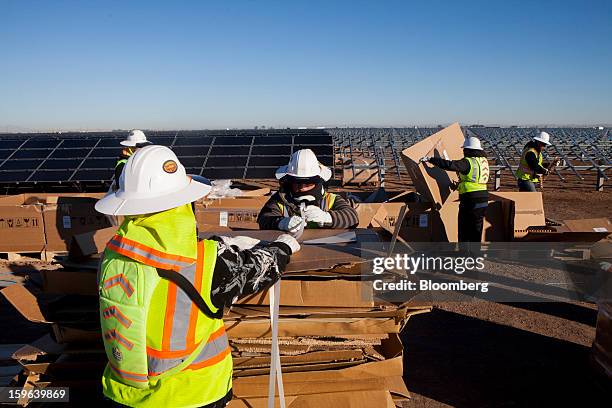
(228, 213)
(433, 183)
(47, 221)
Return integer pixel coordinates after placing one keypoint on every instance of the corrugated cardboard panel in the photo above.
(528, 210)
(432, 182)
(348, 399)
(21, 227)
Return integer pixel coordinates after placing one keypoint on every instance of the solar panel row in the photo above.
(90, 157)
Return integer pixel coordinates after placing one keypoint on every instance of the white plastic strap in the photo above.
(276, 374)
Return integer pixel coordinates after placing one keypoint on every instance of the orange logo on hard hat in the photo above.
(170, 166)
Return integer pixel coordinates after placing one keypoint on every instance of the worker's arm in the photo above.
(462, 166)
(240, 272)
(270, 215)
(532, 162)
(342, 214)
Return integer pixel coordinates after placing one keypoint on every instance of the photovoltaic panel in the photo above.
(234, 161)
(31, 154)
(191, 150)
(20, 164)
(90, 157)
(59, 164)
(14, 176)
(230, 150)
(69, 153)
(51, 175)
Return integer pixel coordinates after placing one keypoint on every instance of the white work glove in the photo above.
(291, 224)
(312, 213)
(290, 241)
(241, 242)
(424, 159)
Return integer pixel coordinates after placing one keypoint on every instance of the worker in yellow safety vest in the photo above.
(135, 140)
(473, 172)
(531, 167)
(162, 291)
(302, 200)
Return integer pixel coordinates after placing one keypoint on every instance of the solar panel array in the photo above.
(90, 157)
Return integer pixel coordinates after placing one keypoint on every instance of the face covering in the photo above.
(310, 197)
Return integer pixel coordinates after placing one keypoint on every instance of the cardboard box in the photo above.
(229, 213)
(326, 293)
(22, 228)
(433, 183)
(90, 243)
(47, 221)
(71, 216)
(527, 211)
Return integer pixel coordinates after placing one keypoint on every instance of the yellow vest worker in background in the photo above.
(531, 167)
(473, 171)
(135, 140)
(302, 201)
(162, 291)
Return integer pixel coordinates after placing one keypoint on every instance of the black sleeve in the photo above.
(270, 214)
(532, 162)
(244, 272)
(343, 215)
(462, 166)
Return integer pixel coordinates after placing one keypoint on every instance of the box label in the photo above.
(423, 220)
(600, 229)
(223, 219)
(67, 222)
(19, 222)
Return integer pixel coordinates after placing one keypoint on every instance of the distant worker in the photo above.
(473, 172)
(162, 291)
(135, 140)
(531, 167)
(302, 201)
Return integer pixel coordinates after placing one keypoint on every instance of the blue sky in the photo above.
(197, 64)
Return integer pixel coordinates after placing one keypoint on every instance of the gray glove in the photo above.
(290, 241)
(291, 224)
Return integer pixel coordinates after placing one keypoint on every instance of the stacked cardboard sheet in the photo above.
(338, 344)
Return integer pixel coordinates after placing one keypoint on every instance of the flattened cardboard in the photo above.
(330, 293)
(25, 302)
(433, 183)
(316, 257)
(347, 399)
(302, 359)
(379, 375)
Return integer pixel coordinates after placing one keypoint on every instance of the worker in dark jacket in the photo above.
(302, 201)
(473, 171)
(531, 167)
(135, 140)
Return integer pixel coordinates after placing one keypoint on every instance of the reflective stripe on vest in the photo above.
(524, 172)
(146, 255)
(327, 202)
(120, 161)
(477, 177)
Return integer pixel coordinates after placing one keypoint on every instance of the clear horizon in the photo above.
(70, 65)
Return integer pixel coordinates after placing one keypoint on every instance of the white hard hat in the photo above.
(135, 137)
(543, 137)
(304, 164)
(152, 180)
(472, 143)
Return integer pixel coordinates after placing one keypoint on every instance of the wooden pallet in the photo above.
(22, 256)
